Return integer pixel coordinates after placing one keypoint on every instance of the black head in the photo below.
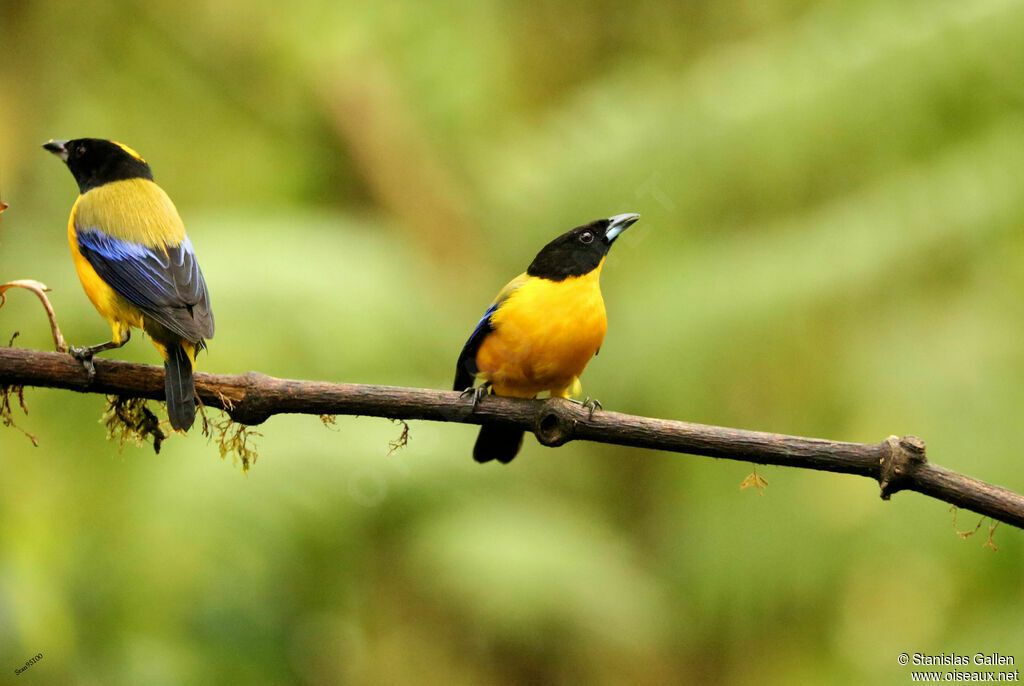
(94, 161)
(579, 251)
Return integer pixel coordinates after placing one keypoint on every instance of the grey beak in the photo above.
(618, 224)
(58, 148)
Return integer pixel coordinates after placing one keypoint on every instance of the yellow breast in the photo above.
(118, 312)
(544, 335)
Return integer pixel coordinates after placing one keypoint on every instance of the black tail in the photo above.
(179, 388)
(497, 442)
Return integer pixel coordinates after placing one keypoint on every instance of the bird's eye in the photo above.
(586, 237)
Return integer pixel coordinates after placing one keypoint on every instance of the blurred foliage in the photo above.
(832, 198)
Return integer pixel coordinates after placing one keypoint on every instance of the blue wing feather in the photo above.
(465, 368)
(167, 286)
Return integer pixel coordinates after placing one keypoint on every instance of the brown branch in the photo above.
(40, 290)
(896, 463)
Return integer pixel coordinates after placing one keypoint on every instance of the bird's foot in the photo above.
(477, 393)
(84, 355)
(591, 404)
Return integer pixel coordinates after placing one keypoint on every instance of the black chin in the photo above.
(558, 265)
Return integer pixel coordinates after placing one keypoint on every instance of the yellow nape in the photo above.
(545, 333)
(129, 151)
(134, 210)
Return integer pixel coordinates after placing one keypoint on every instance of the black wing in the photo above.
(465, 368)
(167, 286)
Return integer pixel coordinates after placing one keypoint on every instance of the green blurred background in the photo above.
(831, 245)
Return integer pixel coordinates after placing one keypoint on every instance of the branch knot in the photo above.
(553, 426)
(252, 409)
(905, 456)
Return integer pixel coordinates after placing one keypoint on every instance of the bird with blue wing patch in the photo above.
(541, 331)
(136, 263)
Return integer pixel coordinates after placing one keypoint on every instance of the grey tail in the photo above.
(179, 388)
(497, 442)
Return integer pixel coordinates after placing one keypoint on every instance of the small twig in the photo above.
(6, 414)
(402, 440)
(40, 290)
(990, 543)
(6, 391)
(756, 481)
(967, 533)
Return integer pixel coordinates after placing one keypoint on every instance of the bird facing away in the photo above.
(136, 263)
(542, 329)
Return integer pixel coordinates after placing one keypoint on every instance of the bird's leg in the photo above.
(85, 354)
(478, 393)
(591, 404)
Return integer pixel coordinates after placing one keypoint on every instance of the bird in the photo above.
(136, 264)
(541, 330)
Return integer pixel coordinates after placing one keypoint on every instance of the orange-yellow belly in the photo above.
(544, 335)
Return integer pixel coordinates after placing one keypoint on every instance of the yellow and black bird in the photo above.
(542, 329)
(136, 263)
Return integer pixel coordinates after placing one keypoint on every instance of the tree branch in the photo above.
(896, 463)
